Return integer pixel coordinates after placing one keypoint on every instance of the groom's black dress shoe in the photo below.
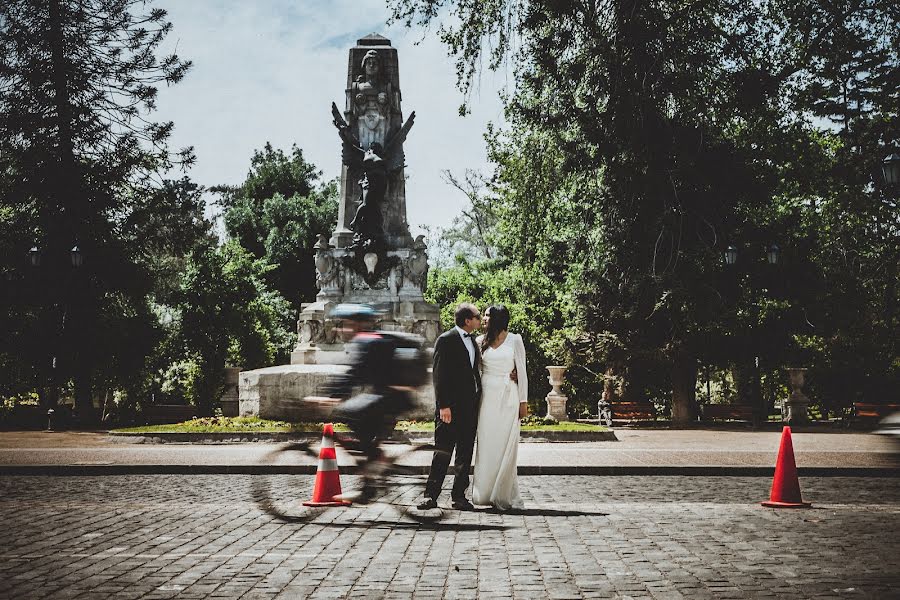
(427, 504)
(462, 505)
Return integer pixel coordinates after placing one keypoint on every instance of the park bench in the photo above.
(160, 414)
(633, 411)
(869, 413)
(727, 412)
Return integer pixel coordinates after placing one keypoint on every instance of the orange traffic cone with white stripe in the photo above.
(328, 480)
(786, 485)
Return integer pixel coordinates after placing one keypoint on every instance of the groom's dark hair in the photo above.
(464, 312)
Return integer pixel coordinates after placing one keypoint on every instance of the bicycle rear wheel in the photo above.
(280, 501)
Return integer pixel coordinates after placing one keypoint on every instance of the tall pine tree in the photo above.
(78, 79)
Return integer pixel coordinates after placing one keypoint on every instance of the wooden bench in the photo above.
(633, 411)
(160, 414)
(727, 412)
(870, 413)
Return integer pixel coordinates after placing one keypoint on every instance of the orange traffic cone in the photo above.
(786, 485)
(328, 480)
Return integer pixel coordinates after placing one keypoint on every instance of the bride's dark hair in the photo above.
(498, 322)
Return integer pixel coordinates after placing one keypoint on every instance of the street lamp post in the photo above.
(735, 263)
(773, 255)
(36, 261)
(890, 169)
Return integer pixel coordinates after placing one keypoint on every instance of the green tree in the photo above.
(538, 310)
(649, 135)
(620, 101)
(77, 82)
(227, 314)
(276, 214)
(851, 81)
(471, 232)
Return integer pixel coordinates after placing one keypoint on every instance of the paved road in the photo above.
(169, 536)
(636, 448)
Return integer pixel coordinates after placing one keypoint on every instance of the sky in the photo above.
(269, 70)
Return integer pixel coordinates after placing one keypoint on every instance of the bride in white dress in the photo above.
(503, 402)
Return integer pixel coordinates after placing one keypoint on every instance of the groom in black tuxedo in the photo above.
(457, 392)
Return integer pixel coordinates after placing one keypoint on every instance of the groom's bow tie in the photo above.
(470, 335)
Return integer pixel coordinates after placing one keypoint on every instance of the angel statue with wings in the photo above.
(376, 163)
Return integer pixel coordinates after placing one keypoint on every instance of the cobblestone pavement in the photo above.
(170, 536)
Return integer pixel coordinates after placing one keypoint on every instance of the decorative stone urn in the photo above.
(795, 407)
(556, 401)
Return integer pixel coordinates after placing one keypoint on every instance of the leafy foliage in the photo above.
(277, 213)
(645, 137)
(228, 315)
(80, 163)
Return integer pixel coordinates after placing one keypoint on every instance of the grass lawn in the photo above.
(255, 424)
(530, 426)
(228, 425)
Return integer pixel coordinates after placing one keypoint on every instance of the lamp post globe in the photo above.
(34, 257)
(731, 255)
(77, 257)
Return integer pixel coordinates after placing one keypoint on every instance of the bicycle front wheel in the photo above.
(279, 500)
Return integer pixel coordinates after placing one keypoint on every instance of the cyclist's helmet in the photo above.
(354, 312)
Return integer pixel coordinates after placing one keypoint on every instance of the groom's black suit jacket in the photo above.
(457, 384)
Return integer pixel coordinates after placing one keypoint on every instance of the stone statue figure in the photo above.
(368, 224)
(353, 149)
(416, 268)
(375, 161)
(371, 102)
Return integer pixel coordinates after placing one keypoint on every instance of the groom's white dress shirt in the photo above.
(469, 342)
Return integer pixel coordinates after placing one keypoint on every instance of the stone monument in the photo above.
(370, 257)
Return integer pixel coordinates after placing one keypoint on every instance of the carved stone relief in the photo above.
(427, 329)
(416, 267)
(310, 332)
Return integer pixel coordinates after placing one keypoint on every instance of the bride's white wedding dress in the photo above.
(496, 453)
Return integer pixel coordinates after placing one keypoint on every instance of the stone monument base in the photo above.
(277, 392)
(320, 345)
(391, 281)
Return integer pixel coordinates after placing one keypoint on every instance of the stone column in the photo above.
(229, 399)
(556, 401)
(795, 407)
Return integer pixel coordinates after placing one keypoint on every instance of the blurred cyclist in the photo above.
(384, 370)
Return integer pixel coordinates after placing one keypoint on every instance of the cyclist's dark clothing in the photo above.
(372, 413)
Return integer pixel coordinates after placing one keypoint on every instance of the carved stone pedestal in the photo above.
(229, 398)
(278, 392)
(556, 401)
(392, 281)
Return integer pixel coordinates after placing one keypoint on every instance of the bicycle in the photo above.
(388, 491)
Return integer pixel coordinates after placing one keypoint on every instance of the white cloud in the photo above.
(269, 70)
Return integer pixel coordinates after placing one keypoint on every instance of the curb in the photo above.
(681, 471)
(273, 437)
